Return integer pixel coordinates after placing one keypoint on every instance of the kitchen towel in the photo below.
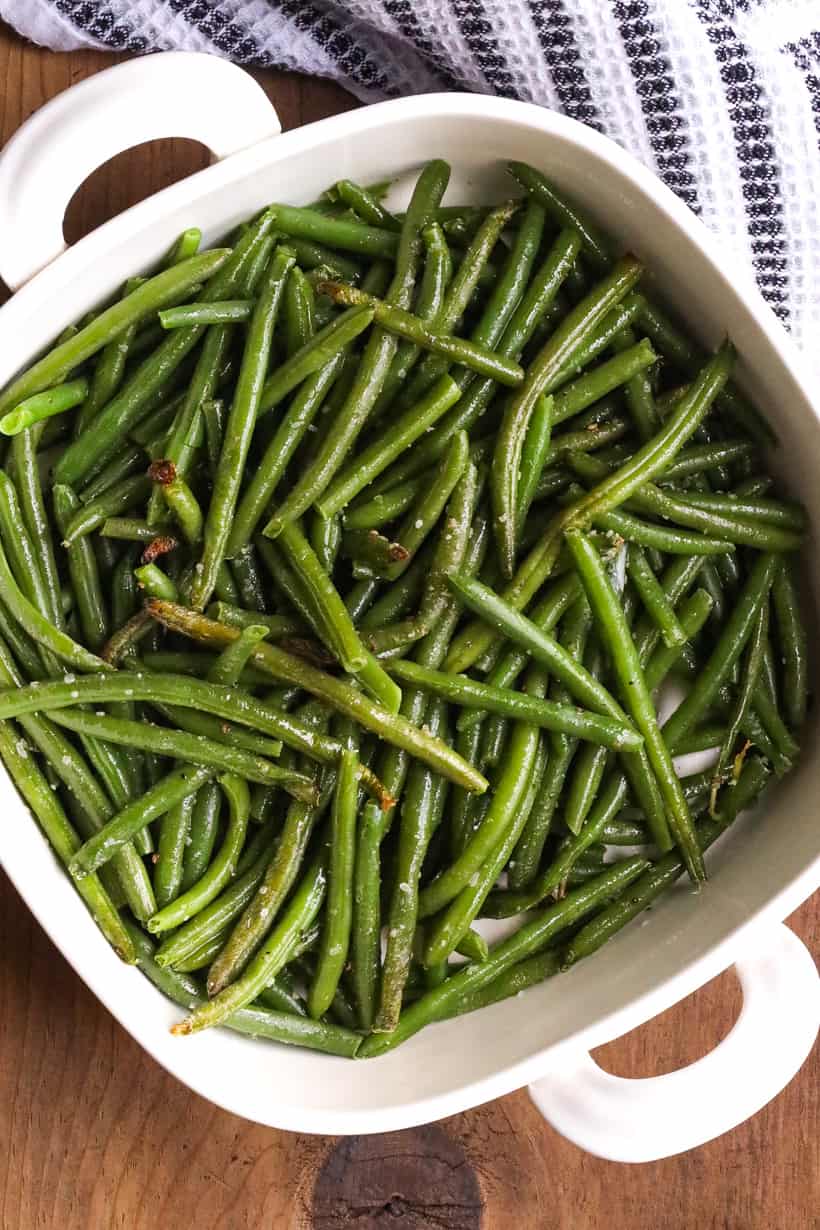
(720, 97)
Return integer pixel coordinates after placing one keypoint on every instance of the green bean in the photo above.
(381, 509)
(524, 863)
(195, 748)
(281, 998)
(584, 785)
(597, 247)
(229, 311)
(376, 360)
(109, 369)
(417, 824)
(693, 613)
(63, 359)
(605, 809)
(470, 271)
(534, 453)
(565, 719)
(350, 236)
(299, 307)
(228, 666)
(220, 872)
(72, 770)
(202, 835)
(378, 456)
(257, 1022)
(186, 245)
(658, 877)
(174, 828)
(454, 922)
(23, 557)
(215, 919)
(538, 643)
(117, 499)
(675, 346)
(39, 406)
(538, 300)
(228, 703)
(342, 638)
(404, 324)
(335, 937)
(615, 631)
(661, 538)
(91, 450)
(574, 330)
(84, 574)
(156, 583)
(527, 940)
(303, 907)
(248, 578)
(365, 204)
(640, 399)
(653, 597)
(435, 279)
(422, 517)
(239, 426)
(283, 445)
(130, 529)
(650, 460)
(326, 539)
(280, 876)
(35, 517)
(42, 801)
(215, 729)
(699, 458)
(751, 674)
(792, 642)
(41, 629)
(726, 652)
(100, 848)
(213, 413)
(276, 626)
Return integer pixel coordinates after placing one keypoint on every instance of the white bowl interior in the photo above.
(765, 865)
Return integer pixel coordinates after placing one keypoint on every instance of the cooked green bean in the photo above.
(614, 629)
(567, 720)
(649, 461)
(573, 331)
(653, 597)
(45, 405)
(221, 870)
(792, 642)
(195, 749)
(338, 915)
(229, 311)
(399, 436)
(52, 819)
(303, 907)
(257, 1022)
(239, 426)
(405, 324)
(145, 299)
(527, 940)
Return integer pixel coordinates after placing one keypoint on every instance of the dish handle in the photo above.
(628, 1120)
(170, 94)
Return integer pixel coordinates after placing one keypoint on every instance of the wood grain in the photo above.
(94, 1134)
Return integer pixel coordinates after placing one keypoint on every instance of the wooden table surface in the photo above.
(94, 1134)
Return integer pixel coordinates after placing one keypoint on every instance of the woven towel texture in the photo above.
(720, 97)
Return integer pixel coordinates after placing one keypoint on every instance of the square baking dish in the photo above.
(759, 872)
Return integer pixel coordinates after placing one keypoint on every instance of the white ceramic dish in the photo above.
(766, 866)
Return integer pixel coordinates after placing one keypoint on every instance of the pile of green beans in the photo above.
(343, 570)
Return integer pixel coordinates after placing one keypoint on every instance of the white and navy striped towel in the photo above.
(720, 97)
